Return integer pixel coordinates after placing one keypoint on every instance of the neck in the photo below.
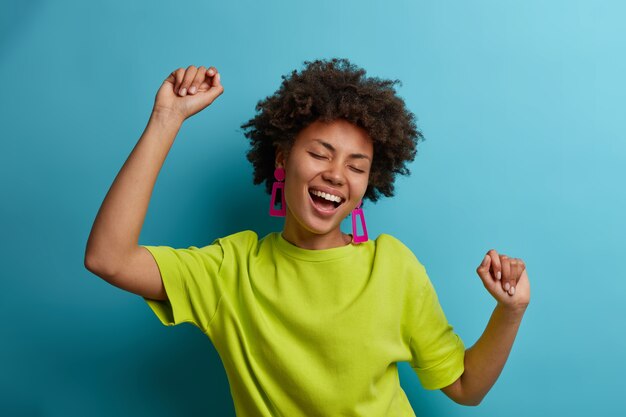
(306, 239)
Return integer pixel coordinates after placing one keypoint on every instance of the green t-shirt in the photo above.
(312, 332)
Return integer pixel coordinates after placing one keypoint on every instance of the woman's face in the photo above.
(326, 176)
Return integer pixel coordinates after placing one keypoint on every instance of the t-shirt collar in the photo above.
(313, 255)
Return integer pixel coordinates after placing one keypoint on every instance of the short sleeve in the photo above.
(438, 353)
(191, 280)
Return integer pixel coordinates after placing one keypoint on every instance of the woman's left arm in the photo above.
(506, 280)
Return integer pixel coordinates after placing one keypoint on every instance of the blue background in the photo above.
(522, 107)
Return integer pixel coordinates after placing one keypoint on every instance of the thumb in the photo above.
(483, 271)
(215, 87)
(217, 80)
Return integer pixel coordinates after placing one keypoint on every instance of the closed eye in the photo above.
(316, 156)
(322, 157)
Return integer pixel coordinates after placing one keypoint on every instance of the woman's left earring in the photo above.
(278, 187)
(358, 212)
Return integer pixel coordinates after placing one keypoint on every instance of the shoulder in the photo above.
(243, 241)
(399, 257)
(391, 245)
(243, 236)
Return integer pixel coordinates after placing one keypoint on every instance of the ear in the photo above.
(281, 157)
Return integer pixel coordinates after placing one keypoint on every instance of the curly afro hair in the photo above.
(327, 90)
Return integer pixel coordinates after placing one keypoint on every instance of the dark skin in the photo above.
(186, 92)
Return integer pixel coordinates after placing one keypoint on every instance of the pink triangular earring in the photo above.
(278, 186)
(358, 212)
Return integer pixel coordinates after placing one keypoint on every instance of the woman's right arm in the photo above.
(112, 251)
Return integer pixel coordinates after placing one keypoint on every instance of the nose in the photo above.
(334, 175)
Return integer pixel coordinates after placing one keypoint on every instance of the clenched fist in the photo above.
(505, 278)
(187, 91)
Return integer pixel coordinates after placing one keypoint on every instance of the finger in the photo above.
(507, 279)
(179, 74)
(190, 74)
(483, 272)
(517, 267)
(496, 266)
(216, 80)
(205, 85)
(174, 77)
(216, 88)
(198, 79)
(512, 276)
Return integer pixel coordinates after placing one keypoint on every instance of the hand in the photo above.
(506, 279)
(186, 92)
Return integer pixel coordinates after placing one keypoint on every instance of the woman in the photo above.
(311, 321)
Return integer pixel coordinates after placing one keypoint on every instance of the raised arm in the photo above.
(506, 280)
(113, 252)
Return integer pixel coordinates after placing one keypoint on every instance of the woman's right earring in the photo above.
(278, 186)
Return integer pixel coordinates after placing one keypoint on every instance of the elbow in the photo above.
(91, 263)
(95, 266)
(102, 263)
(458, 393)
(469, 400)
(92, 266)
(90, 260)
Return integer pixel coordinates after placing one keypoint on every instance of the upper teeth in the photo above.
(327, 196)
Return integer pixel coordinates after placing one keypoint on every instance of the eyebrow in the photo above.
(332, 149)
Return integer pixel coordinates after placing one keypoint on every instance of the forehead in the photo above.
(341, 134)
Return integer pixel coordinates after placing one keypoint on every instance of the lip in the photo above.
(329, 191)
(323, 213)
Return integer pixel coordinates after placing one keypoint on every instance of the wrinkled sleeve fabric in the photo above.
(438, 353)
(191, 278)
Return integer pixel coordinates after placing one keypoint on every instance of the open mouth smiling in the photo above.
(325, 201)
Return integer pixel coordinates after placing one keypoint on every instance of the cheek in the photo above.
(294, 184)
(301, 175)
(361, 184)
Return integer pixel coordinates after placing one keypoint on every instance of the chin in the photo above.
(317, 226)
(310, 223)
